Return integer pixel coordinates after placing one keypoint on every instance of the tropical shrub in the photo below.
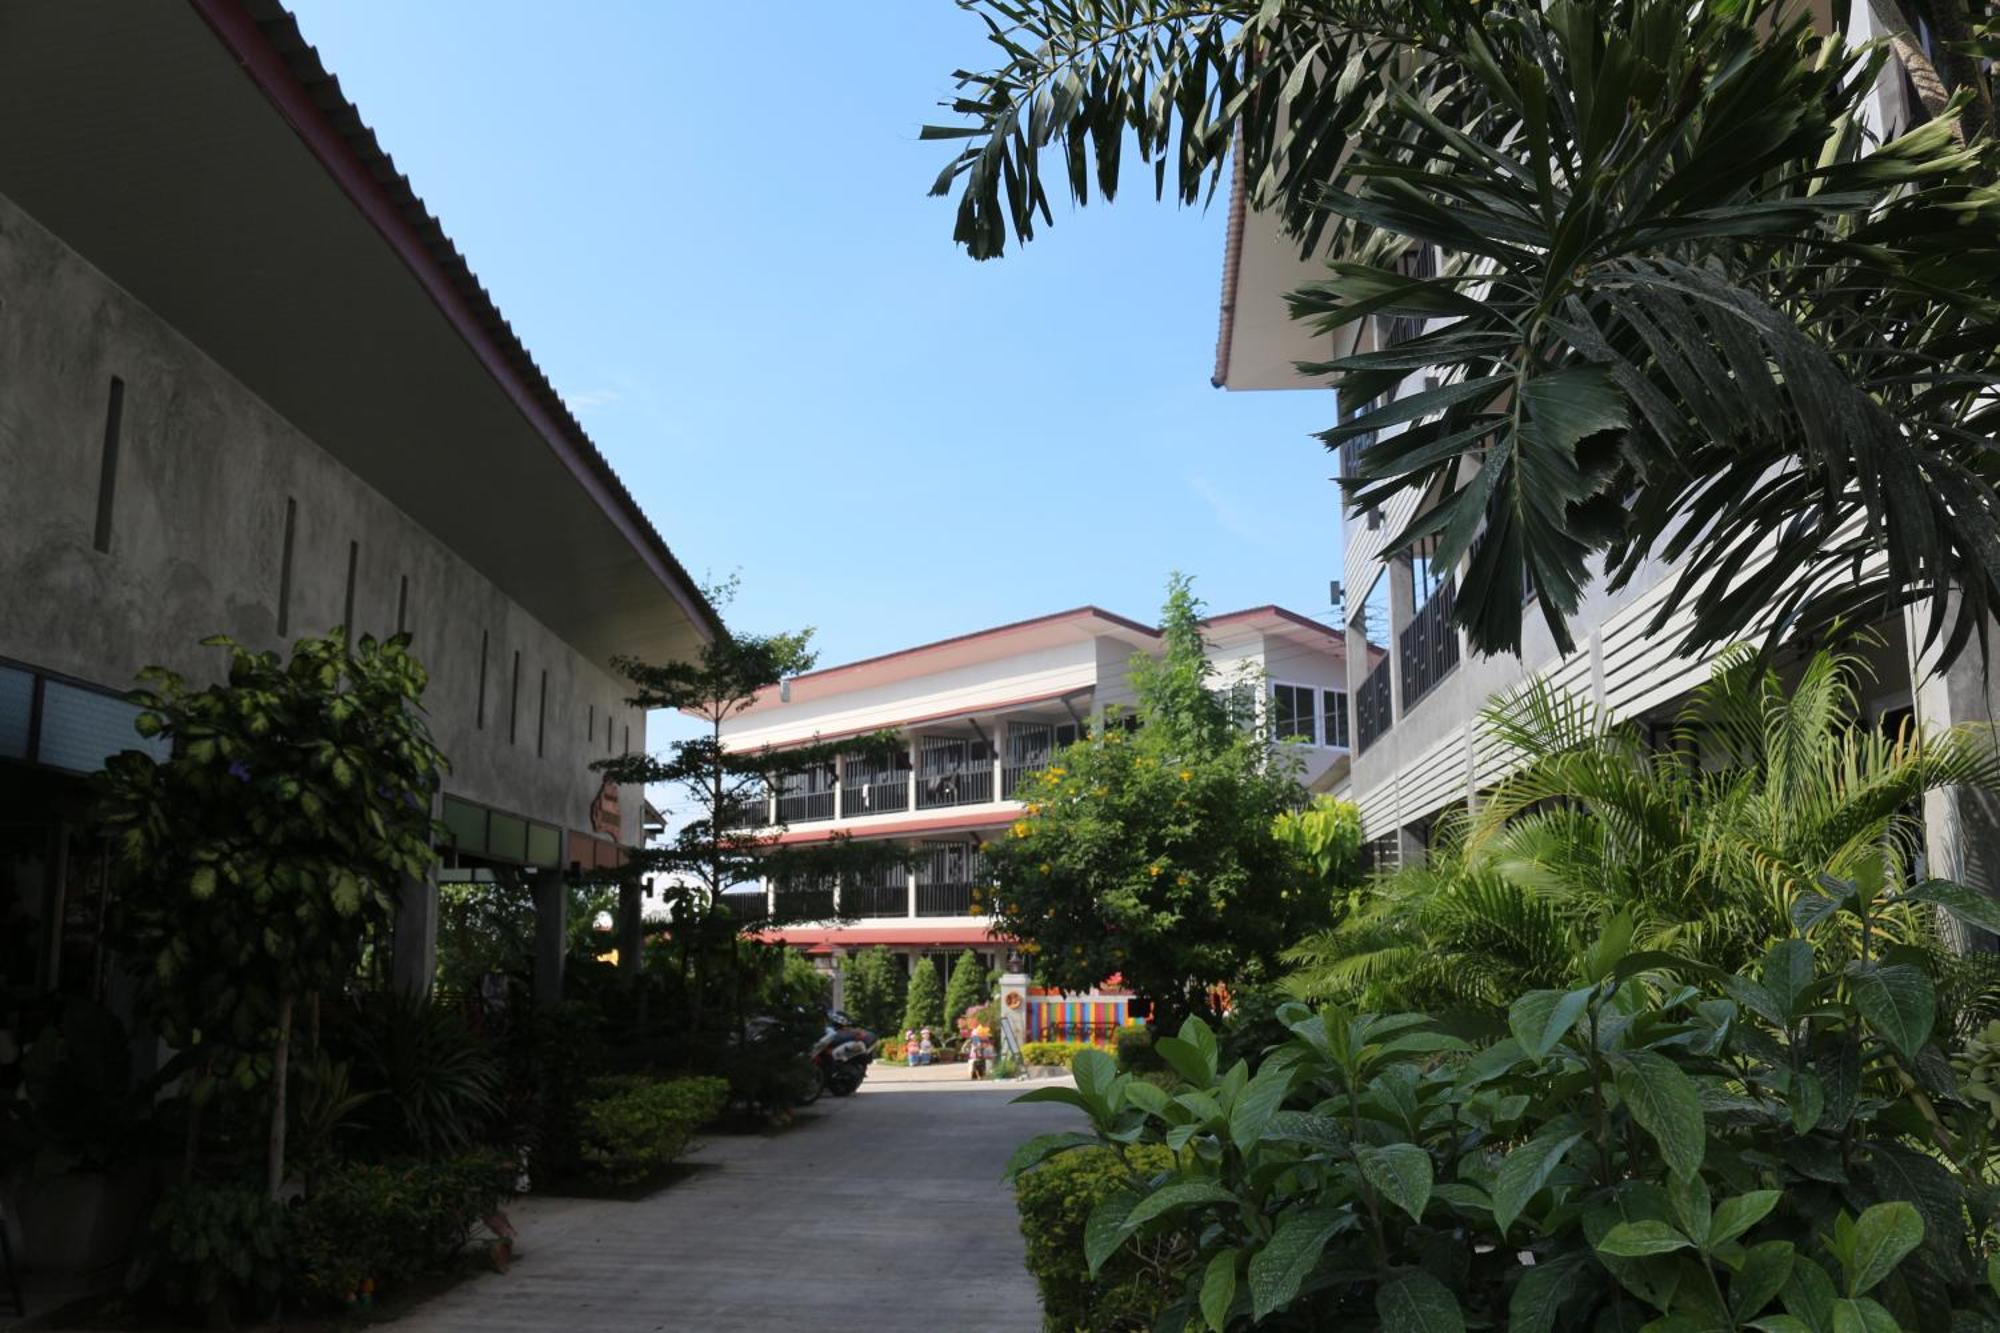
(1153, 854)
(381, 1225)
(1051, 1052)
(1663, 1144)
(1056, 1200)
(872, 989)
(924, 1007)
(214, 1252)
(1711, 846)
(969, 988)
(633, 1126)
(440, 1086)
(1133, 1045)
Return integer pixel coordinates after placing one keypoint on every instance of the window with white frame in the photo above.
(1293, 713)
(1333, 712)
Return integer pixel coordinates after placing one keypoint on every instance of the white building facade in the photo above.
(980, 712)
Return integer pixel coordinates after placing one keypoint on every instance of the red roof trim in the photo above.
(916, 933)
(265, 40)
(1303, 622)
(935, 824)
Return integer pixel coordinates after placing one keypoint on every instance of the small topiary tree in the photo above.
(968, 988)
(925, 1006)
(262, 858)
(873, 989)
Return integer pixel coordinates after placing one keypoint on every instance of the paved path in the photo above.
(883, 1211)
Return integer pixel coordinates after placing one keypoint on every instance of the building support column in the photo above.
(551, 898)
(1961, 828)
(413, 948)
(631, 934)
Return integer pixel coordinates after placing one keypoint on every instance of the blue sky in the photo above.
(710, 227)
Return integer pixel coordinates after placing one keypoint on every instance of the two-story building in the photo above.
(980, 711)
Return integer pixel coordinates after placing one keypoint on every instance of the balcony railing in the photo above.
(1428, 646)
(808, 901)
(885, 898)
(951, 771)
(750, 812)
(1030, 747)
(746, 904)
(944, 899)
(804, 807)
(1372, 707)
(870, 786)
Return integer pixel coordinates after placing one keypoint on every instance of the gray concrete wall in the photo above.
(205, 468)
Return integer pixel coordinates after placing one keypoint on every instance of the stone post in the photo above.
(631, 933)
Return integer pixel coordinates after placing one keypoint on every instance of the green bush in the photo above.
(632, 1126)
(1051, 1052)
(1674, 1147)
(1133, 1043)
(212, 1252)
(923, 1006)
(1056, 1200)
(384, 1224)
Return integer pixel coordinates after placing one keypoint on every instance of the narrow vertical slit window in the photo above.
(542, 715)
(107, 475)
(514, 702)
(607, 733)
(590, 733)
(481, 720)
(403, 605)
(347, 601)
(285, 568)
(628, 738)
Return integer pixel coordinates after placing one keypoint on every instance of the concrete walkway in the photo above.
(882, 1211)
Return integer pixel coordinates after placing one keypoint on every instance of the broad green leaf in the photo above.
(1067, 1096)
(1809, 1295)
(1787, 971)
(1044, 1146)
(1278, 1269)
(1258, 1102)
(1692, 1205)
(1808, 1098)
(1967, 904)
(1539, 1294)
(1104, 1230)
(1570, 405)
(1883, 1235)
(1665, 1103)
(1416, 1302)
(1401, 1172)
(1636, 1240)
(1185, 1194)
(1095, 1072)
(1897, 1001)
(1863, 1316)
(201, 884)
(1762, 1275)
(1186, 1060)
(1542, 1018)
(1218, 1288)
(1525, 1171)
(1736, 1216)
(1782, 1323)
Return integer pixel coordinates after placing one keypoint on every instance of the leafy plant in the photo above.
(212, 1251)
(1711, 845)
(263, 856)
(1052, 1052)
(1662, 1144)
(1153, 854)
(386, 1223)
(633, 1127)
(872, 989)
(1688, 304)
(1129, 1291)
(440, 1085)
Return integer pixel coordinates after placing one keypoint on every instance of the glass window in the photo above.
(1292, 713)
(1334, 710)
(17, 699)
(82, 728)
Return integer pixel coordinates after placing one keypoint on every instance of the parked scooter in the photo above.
(842, 1055)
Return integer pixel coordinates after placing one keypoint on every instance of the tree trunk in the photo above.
(1924, 75)
(280, 1062)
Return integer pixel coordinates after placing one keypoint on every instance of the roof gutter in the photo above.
(264, 39)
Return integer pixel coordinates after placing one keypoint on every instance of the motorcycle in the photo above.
(841, 1055)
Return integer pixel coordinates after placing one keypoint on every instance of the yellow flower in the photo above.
(1045, 867)
(1021, 828)
(1034, 808)
(1187, 775)
(1057, 771)
(1154, 870)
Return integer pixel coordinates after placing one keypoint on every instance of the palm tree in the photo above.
(1686, 304)
(1710, 849)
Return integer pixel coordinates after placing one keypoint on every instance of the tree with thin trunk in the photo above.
(1605, 284)
(262, 857)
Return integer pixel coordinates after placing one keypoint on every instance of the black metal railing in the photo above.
(804, 807)
(746, 904)
(1373, 710)
(951, 771)
(749, 812)
(945, 899)
(1428, 646)
(883, 897)
(870, 785)
(808, 900)
(1030, 747)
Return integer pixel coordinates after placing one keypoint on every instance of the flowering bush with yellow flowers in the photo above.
(1155, 853)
